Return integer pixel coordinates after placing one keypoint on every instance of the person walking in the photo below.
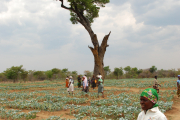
(155, 85)
(100, 86)
(67, 84)
(148, 101)
(178, 86)
(71, 84)
(79, 81)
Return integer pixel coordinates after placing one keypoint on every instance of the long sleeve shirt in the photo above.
(152, 114)
(85, 82)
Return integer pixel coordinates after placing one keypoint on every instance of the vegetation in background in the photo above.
(16, 73)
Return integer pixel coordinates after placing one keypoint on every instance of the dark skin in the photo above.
(146, 104)
(157, 84)
(101, 92)
(177, 82)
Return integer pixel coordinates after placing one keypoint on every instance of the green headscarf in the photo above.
(151, 94)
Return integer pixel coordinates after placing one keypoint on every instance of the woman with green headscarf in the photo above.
(148, 101)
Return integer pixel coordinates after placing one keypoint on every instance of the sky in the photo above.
(39, 35)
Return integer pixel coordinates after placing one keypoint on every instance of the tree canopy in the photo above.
(84, 12)
(153, 69)
(118, 72)
(87, 8)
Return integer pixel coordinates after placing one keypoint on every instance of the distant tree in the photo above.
(153, 69)
(128, 72)
(13, 72)
(24, 74)
(49, 74)
(88, 73)
(65, 70)
(84, 12)
(134, 72)
(74, 74)
(39, 75)
(107, 70)
(127, 69)
(139, 71)
(118, 72)
(30, 75)
(2, 77)
(55, 71)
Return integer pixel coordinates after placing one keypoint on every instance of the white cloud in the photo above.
(40, 36)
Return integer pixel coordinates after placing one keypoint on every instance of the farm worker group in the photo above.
(85, 83)
(148, 98)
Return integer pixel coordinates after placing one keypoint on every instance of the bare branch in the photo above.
(104, 42)
(62, 5)
(91, 48)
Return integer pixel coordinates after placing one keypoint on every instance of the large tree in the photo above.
(84, 12)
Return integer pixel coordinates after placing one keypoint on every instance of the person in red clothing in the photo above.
(67, 84)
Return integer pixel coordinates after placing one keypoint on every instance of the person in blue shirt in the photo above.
(178, 86)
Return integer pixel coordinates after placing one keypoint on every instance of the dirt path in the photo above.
(174, 113)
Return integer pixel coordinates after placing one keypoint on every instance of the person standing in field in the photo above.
(67, 84)
(79, 81)
(178, 86)
(100, 76)
(89, 82)
(148, 101)
(93, 82)
(155, 85)
(71, 84)
(85, 84)
(100, 86)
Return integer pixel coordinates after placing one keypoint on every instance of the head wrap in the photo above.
(178, 75)
(151, 94)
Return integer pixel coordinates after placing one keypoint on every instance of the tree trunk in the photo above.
(98, 65)
(99, 52)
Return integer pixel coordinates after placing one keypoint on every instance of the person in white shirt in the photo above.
(85, 84)
(100, 76)
(150, 110)
(71, 84)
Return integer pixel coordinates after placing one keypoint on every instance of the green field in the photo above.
(49, 100)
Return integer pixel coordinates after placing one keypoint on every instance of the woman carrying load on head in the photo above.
(100, 86)
(150, 110)
(156, 84)
(178, 86)
(79, 81)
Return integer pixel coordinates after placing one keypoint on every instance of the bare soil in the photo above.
(173, 114)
